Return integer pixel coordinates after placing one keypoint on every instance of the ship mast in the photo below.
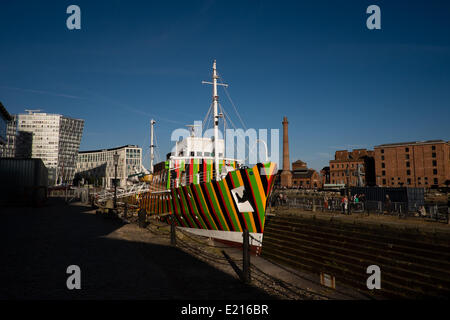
(216, 117)
(216, 121)
(152, 146)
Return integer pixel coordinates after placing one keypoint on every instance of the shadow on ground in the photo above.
(38, 244)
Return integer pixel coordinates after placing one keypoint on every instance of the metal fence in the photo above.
(334, 204)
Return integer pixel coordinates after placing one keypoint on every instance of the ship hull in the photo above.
(218, 209)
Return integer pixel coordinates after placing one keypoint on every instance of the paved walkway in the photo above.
(117, 260)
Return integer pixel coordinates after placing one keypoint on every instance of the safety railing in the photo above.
(411, 209)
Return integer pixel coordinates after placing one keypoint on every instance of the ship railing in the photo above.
(122, 192)
(195, 178)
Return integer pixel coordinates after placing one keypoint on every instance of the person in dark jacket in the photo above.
(387, 204)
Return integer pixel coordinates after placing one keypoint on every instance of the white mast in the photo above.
(216, 118)
(152, 147)
(216, 121)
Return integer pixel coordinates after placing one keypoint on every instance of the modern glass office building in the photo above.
(5, 117)
(56, 140)
(18, 143)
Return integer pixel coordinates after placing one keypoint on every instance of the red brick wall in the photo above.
(429, 164)
(338, 169)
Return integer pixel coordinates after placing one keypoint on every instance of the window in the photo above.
(332, 166)
(433, 154)
(384, 181)
(382, 158)
(407, 164)
(407, 157)
(408, 181)
(383, 173)
(406, 149)
(434, 171)
(382, 150)
(435, 180)
(408, 172)
(434, 163)
(199, 154)
(433, 147)
(383, 165)
(192, 153)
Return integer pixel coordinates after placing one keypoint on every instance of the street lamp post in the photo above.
(116, 162)
(347, 171)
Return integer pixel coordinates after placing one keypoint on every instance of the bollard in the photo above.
(125, 210)
(246, 256)
(141, 218)
(173, 235)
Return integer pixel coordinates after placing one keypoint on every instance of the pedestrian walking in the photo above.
(346, 207)
(325, 202)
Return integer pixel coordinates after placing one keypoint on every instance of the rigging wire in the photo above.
(158, 155)
(232, 103)
(207, 116)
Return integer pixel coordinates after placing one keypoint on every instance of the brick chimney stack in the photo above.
(286, 174)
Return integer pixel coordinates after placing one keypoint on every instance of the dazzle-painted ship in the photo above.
(205, 193)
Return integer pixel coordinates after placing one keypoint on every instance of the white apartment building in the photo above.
(56, 140)
(97, 166)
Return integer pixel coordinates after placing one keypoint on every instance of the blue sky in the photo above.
(341, 85)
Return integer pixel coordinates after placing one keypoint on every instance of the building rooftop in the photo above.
(110, 149)
(38, 113)
(5, 114)
(411, 143)
(303, 173)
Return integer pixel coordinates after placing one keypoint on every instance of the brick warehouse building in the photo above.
(413, 164)
(303, 177)
(344, 167)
